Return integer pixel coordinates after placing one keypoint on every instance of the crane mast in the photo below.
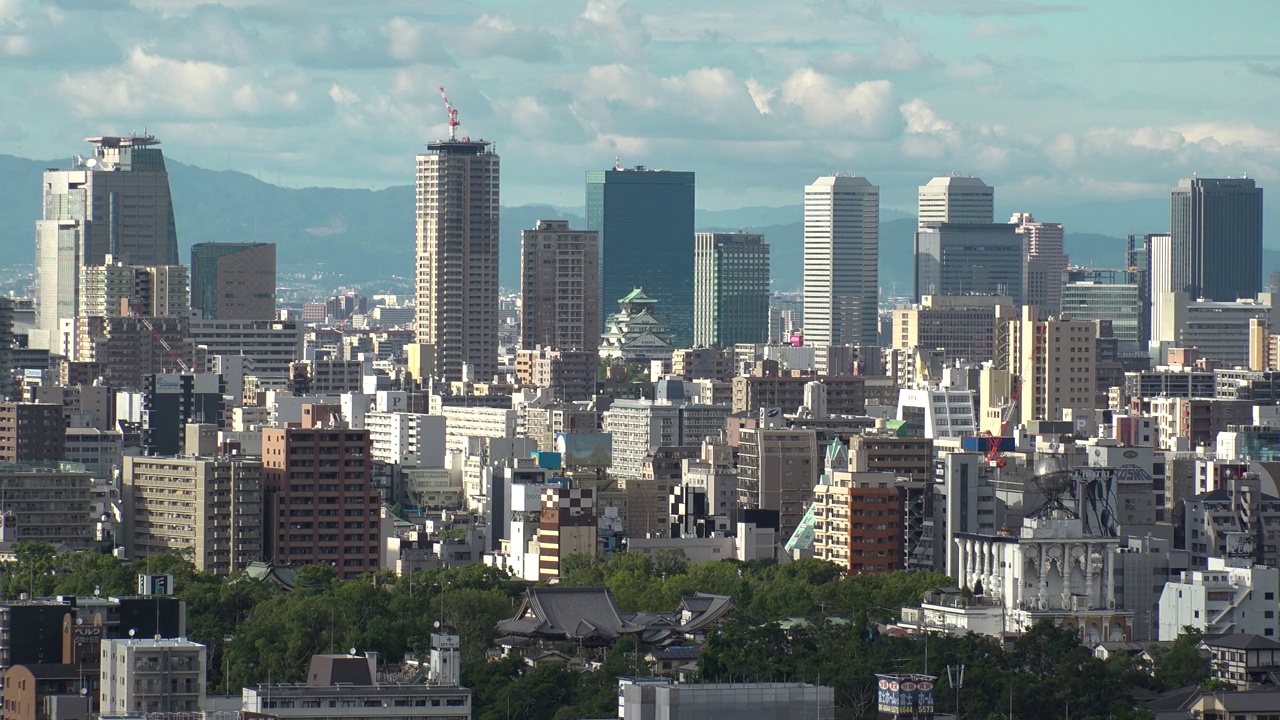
(453, 115)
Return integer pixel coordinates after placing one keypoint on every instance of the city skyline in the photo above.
(895, 94)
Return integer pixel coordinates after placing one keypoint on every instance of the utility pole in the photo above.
(955, 676)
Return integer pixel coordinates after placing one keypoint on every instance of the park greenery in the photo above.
(258, 632)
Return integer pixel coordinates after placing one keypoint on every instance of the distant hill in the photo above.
(367, 235)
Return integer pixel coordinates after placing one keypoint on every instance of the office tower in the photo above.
(114, 289)
(114, 203)
(234, 281)
(962, 327)
(1111, 295)
(970, 259)
(841, 261)
(730, 289)
(955, 199)
(1046, 260)
(645, 221)
(321, 505)
(457, 256)
(1216, 233)
(211, 506)
(559, 287)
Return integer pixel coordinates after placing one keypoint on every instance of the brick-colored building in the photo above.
(858, 522)
(32, 432)
(321, 505)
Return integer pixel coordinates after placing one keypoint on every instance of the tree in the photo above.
(1182, 664)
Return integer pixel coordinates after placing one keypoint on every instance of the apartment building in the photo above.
(858, 521)
(146, 675)
(31, 432)
(963, 327)
(48, 504)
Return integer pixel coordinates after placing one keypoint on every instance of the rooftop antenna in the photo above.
(453, 115)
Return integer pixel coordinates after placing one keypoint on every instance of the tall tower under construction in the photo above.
(457, 255)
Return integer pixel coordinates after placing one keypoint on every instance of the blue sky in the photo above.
(1076, 101)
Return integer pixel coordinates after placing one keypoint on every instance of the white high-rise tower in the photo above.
(841, 261)
(955, 199)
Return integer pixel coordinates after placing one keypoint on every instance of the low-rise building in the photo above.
(146, 675)
(1231, 596)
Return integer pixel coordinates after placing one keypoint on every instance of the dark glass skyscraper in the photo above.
(645, 221)
(1216, 229)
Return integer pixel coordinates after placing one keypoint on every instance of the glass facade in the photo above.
(1216, 228)
(970, 259)
(645, 220)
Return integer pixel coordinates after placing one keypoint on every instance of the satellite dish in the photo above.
(436, 624)
(353, 651)
(91, 162)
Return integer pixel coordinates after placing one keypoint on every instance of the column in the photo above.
(1043, 596)
(961, 559)
(1088, 575)
(1066, 576)
(1109, 566)
(1016, 569)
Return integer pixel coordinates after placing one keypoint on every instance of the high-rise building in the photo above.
(1046, 260)
(457, 256)
(114, 203)
(1056, 359)
(962, 327)
(955, 199)
(321, 506)
(115, 289)
(970, 259)
(730, 289)
(841, 261)
(32, 433)
(1112, 295)
(234, 281)
(559, 287)
(212, 506)
(645, 221)
(48, 505)
(1216, 233)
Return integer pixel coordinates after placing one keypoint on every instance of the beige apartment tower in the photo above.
(211, 506)
(457, 257)
(963, 327)
(1056, 359)
(559, 287)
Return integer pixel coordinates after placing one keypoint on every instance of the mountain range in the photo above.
(361, 238)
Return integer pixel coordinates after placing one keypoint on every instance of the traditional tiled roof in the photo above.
(1240, 641)
(568, 613)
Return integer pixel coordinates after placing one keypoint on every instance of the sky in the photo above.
(1073, 100)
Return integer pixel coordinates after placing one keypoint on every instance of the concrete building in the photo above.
(1219, 330)
(1216, 238)
(32, 433)
(1229, 596)
(637, 426)
(841, 261)
(704, 362)
(210, 506)
(1046, 261)
(146, 675)
(127, 351)
(234, 281)
(644, 213)
(858, 521)
(321, 506)
(645, 698)
(457, 256)
(463, 422)
(939, 414)
(567, 526)
(1238, 518)
(845, 395)
(114, 288)
(1056, 360)
(778, 469)
(99, 451)
(48, 504)
(559, 287)
(407, 439)
(566, 375)
(116, 202)
(956, 325)
(268, 347)
(970, 259)
(955, 199)
(730, 289)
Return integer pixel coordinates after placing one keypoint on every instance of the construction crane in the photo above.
(133, 310)
(453, 115)
(995, 458)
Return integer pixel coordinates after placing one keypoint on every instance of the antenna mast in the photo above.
(453, 115)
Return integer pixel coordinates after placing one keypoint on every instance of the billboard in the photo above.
(905, 694)
(585, 449)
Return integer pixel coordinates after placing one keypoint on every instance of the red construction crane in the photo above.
(453, 115)
(995, 458)
(160, 339)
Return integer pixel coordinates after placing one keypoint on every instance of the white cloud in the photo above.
(618, 25)
(405, 38)
(494, 36)
(16, 45)
(866, 110)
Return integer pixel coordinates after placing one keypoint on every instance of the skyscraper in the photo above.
(234, 281)
(457, 256)
(841, 256)
(730, 289)
(1216, 232)
(114, 203)
(969, 259)
(955, 199)
(559, 287)
(1046, 260)
(645, 221)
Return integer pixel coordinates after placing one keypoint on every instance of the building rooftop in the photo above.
(1240, 641)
